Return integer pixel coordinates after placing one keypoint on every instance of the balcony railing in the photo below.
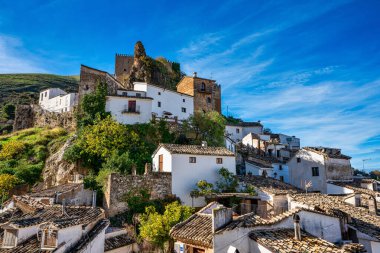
(131, 110)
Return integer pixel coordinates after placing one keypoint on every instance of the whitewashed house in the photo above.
(130, 107)
(167, 103)
(190, 163)
(273, 168)
(57, 100)
(317, 165)
(236, 131)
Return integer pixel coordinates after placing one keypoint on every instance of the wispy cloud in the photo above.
(15, 59)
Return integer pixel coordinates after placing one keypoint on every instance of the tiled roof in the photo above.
(269, 185)
(90, 236)
(72, 215)
(245, 124)
(197, 229)
(361, 218)
(259, 162)
(196, 150)
(282, 241)
(117, 242)
(320, 150)
(356, 187)
(50, 192)
(31, 245)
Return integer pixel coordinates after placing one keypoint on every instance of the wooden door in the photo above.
(161, 163)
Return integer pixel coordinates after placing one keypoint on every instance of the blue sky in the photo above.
(305, 68)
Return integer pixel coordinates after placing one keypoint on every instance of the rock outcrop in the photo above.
(57, 171)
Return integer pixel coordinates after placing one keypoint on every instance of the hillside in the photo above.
(24, 89)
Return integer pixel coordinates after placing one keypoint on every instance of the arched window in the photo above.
(203, 86)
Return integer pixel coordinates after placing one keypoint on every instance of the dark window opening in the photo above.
(208, 100)
(203, 86)
(298, 160)
(192, 159)
(219, 160)
(282, 178)
(159, 104)
(315, 171)
(183, 109)
(132, 106)
(278, 153)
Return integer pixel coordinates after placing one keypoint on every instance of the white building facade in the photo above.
(189, 164)
(57, 100)
(237, 131)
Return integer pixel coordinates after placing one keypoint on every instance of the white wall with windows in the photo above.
(129, 109)
(57, 100)
(237, 133)
(188, 169)
(167, 103)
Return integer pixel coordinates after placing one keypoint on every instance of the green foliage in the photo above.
(9, 111)
(119, 162)
(7, 182)
(72, 153)
(93, 106)
(227, 181)
(23, 153)
(101, 178)
(232, 120)
(206, 127)
(375, 174)
(155, 227)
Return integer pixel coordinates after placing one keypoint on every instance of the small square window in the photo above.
(183, 100)
(159, 104)
(183, 109)
(159, 93)
(219, 160)
(315, 171)
(282, 178)
(280, 167)
(138, 95)
(298, 160)
(192, 159)
(237, 130)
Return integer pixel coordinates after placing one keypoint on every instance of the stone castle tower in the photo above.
(206, 92)
(123, 65)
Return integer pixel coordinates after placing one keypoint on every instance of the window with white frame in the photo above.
(49, 238)
(183, 109)
(10, 238)
(219, 160)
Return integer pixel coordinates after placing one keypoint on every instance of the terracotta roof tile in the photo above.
(50, 192)
(117, 242)
(269, 185)
(196, 150)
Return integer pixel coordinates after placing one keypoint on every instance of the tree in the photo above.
(207, 126)
(227, 181)
(375, 174)
(155, 227)
(9, 111)
(7, 183)
(119, 162)
(93, 106)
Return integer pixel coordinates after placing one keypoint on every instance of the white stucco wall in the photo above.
(97, 244)
(255, 170)
(185, 175)
(25, 233)
(70, 235)
(116, 105)
(57, 100)
(301, 172)
(230, 145)
(171, 101)
(336, 189)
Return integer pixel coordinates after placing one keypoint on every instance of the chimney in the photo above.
(134, 173)
(148, 168)
(204, 144)
(93, 198)
(195, 74)
(63, 206)
(297, 227)
(372, 205)
(220, 217)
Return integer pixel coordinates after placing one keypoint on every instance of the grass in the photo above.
(23, 153)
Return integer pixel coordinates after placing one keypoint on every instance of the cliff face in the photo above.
(57, 171)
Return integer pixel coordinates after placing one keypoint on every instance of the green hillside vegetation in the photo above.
(24, 89)
(23, 153)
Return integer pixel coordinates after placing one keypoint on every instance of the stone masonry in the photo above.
(158, 184)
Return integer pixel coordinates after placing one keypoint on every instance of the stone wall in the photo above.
(158, 184)
(27, 116)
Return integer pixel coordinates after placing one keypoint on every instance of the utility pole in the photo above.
(364, 160)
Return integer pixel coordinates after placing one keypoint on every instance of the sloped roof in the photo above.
(51, 192)
(195, 150)
(197, 229)
(355, 185)
(322, 151)
(90, 236)
(117, 242)
(361, 219)
(245, 124)
(269, 185)
(282, 241)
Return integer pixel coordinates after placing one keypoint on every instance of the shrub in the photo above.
(11, 149)
(7, 182)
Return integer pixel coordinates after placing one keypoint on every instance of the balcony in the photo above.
(131, 111)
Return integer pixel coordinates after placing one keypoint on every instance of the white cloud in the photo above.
(15, 59)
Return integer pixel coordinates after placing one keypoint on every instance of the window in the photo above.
(159, 104)
(203, 86)
(125, 70)
(183, 109)
(315, 171)
(132, 106)
(192, 159)
(9, 239)
(159, 93)
(282, 178)
(45, 93)
(208, 100)
(237, 130)
(138, 95)
(42, 96)
(280, 167)
(298, 160)
(125, 93)
(278, 153)
(183, 100)
(219, 160)
(161, 163)
(49, 238)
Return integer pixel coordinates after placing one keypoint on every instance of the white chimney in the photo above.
(195, 74)
(93, 198)
(220, 217)
(204, 144)
(297, 227)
